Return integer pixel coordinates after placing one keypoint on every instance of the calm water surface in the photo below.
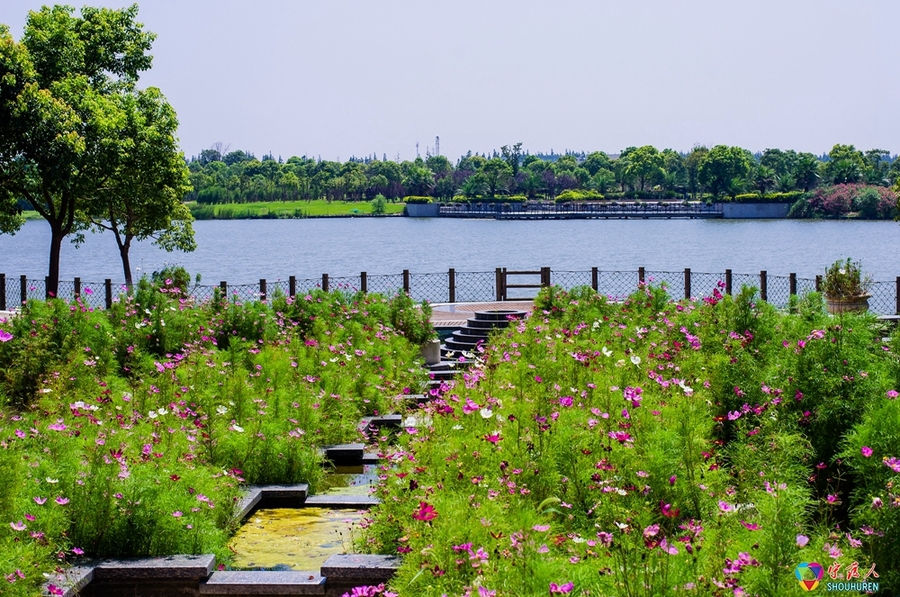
(243, 251)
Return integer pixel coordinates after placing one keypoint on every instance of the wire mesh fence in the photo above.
(455, 286)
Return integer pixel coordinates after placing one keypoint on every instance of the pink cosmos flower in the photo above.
(40, 501)
(564, 589)
(426, 512)
(18, 526)
(62, 501)
(5, 336)
(866, 451)
(750, 526)
(541, 527)
(892, 463)
(725, 506)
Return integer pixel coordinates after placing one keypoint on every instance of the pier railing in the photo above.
(458, 287)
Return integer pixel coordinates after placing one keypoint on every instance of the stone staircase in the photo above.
(461, 348)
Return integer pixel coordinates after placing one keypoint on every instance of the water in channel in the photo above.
(303, 538)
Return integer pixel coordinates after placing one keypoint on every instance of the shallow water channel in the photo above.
(303, 538)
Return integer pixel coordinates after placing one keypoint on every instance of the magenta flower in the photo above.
(725, 506)
(62, 501)
(482, 592)
(541, 528)
(750, 526)
(18, 526)
(177, 514)
(892, 463)
(866, 451)
(426, 512)
(892, 394)
(40, 501)
(564, 589)
(5, 336)
(78, 551)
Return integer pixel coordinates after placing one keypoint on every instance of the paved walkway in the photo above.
(456, 314)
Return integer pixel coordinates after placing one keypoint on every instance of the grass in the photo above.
(287, 209)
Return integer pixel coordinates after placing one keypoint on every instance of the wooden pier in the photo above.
(581, 211)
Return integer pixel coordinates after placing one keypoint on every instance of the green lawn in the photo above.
(287, 209)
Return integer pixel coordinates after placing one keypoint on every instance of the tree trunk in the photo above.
(56, 238)
(126, 262)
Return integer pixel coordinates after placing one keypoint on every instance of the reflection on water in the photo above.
(294, 538)
(303, 538)
(350, 480)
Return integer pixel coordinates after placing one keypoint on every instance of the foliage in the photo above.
(576, 195)
(649, 447)
(789, 197)
(132, 431)
(379, 205)
(411, 319)
(840, 200)
(844, 279)
(58, 105)
(417, 199)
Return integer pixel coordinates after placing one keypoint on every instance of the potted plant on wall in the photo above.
(846, 289)
(413, 320)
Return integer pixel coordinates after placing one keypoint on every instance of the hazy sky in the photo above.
(340, 78)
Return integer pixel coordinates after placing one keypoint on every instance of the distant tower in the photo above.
(417, 149)
(437, 146)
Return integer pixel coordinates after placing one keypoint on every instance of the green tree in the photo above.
(806, 171)
(497, 175)
(724, 169)
(597, 161)
(692, 164)
(845, 164)
(512, 156)
(142, 196)
(645, 166)
(55, 113)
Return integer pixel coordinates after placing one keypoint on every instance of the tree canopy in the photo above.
(65, 93)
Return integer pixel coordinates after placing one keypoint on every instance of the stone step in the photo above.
(264, 582)
(500, 315)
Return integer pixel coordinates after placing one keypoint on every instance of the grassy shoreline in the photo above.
(318, 208)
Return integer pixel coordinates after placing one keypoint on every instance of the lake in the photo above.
(243, 251)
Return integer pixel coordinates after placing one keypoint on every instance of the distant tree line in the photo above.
(222, 176)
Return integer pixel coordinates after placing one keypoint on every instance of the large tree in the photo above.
(725, 169)
(55, 112)
(142, 196)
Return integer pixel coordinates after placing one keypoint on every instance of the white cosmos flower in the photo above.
(486, 413)
(636, 360)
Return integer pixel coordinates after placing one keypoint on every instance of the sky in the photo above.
(339, 78)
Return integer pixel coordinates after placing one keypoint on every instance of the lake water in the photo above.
(243, 251)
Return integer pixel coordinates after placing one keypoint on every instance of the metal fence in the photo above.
(457, 287)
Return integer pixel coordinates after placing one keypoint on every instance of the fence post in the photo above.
(363, 282)
(406, 281)
(687, 283)
(224, 286)
(763, 286)
(545, 276)
(262, 289)
(325, 282)
(77, 288)
(23, 282)
(594, 279)
(728, 281)
(498, 281)
(641, 275)
(47, 287)
(898, 296)
(818, 283)
(451, 281)
(292, 286)
(793, 284)
(108, 286)
(2, 292)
